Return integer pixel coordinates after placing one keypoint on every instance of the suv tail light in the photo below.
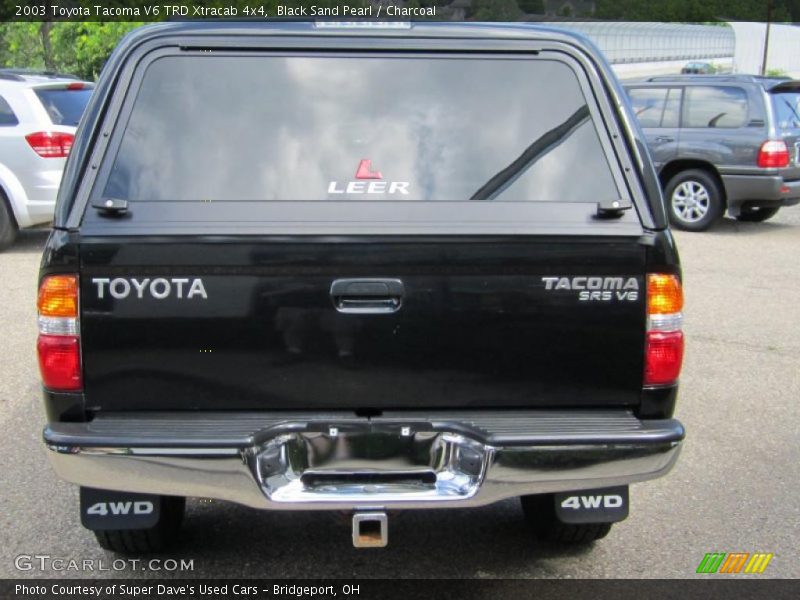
(664, 343)
(58, 345)
(51, 144)
(773, 154)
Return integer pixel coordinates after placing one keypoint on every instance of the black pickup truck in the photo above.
(358, 266)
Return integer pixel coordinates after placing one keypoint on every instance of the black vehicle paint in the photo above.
(476, 328)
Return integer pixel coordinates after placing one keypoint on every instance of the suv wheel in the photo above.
(757, 215)
(694, 200)
(540, 512)
(8, 226)
(154, 539)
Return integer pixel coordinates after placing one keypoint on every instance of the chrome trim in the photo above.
(368, 468)
(665, 322)
(58, 325)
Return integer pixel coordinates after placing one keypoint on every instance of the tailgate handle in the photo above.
(367, 296)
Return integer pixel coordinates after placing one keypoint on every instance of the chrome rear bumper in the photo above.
(343, 462)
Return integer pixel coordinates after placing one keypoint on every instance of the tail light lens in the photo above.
(664, 343)
(58, 345)
(49, 144)
(664, 357)
(58, 296)
(60, 362)
(774, 154)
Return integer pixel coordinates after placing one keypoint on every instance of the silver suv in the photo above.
(39, 113)
(722, 143)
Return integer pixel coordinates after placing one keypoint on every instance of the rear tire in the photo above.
(158, 538)
(540, 513)
(8, 225)
(757, 215)
(694, 200)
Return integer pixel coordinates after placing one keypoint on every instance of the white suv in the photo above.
(39, 113)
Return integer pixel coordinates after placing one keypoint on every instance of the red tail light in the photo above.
(60, 362)
(49, 144)
(58, 346)
(664, 341)
(663, 358)
(774, 154)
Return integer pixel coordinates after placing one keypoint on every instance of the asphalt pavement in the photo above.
(734, 489)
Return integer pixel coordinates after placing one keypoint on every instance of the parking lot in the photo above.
(735, 488)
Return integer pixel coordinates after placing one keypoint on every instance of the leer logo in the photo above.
(368, 182)
(734, 562)
(364, 170)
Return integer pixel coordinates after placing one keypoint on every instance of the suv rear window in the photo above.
(656, 107)
(787, 110)
(717, 106)
(327, 128)
(65, 107)
(7, 116)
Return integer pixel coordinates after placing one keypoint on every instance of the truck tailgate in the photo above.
(484, 322)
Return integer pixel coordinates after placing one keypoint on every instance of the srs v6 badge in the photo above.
(603, 289)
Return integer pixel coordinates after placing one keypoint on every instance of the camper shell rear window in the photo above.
(322, 137)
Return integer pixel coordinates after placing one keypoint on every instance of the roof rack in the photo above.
(24, 74)
(739, 78)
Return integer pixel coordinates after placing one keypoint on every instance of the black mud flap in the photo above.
(606, 505)
(104, 509)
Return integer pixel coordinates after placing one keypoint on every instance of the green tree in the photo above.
(21, 45)
(83, 48)
(495, 10)
(531, 7)
(696, 10)
(80, 48)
